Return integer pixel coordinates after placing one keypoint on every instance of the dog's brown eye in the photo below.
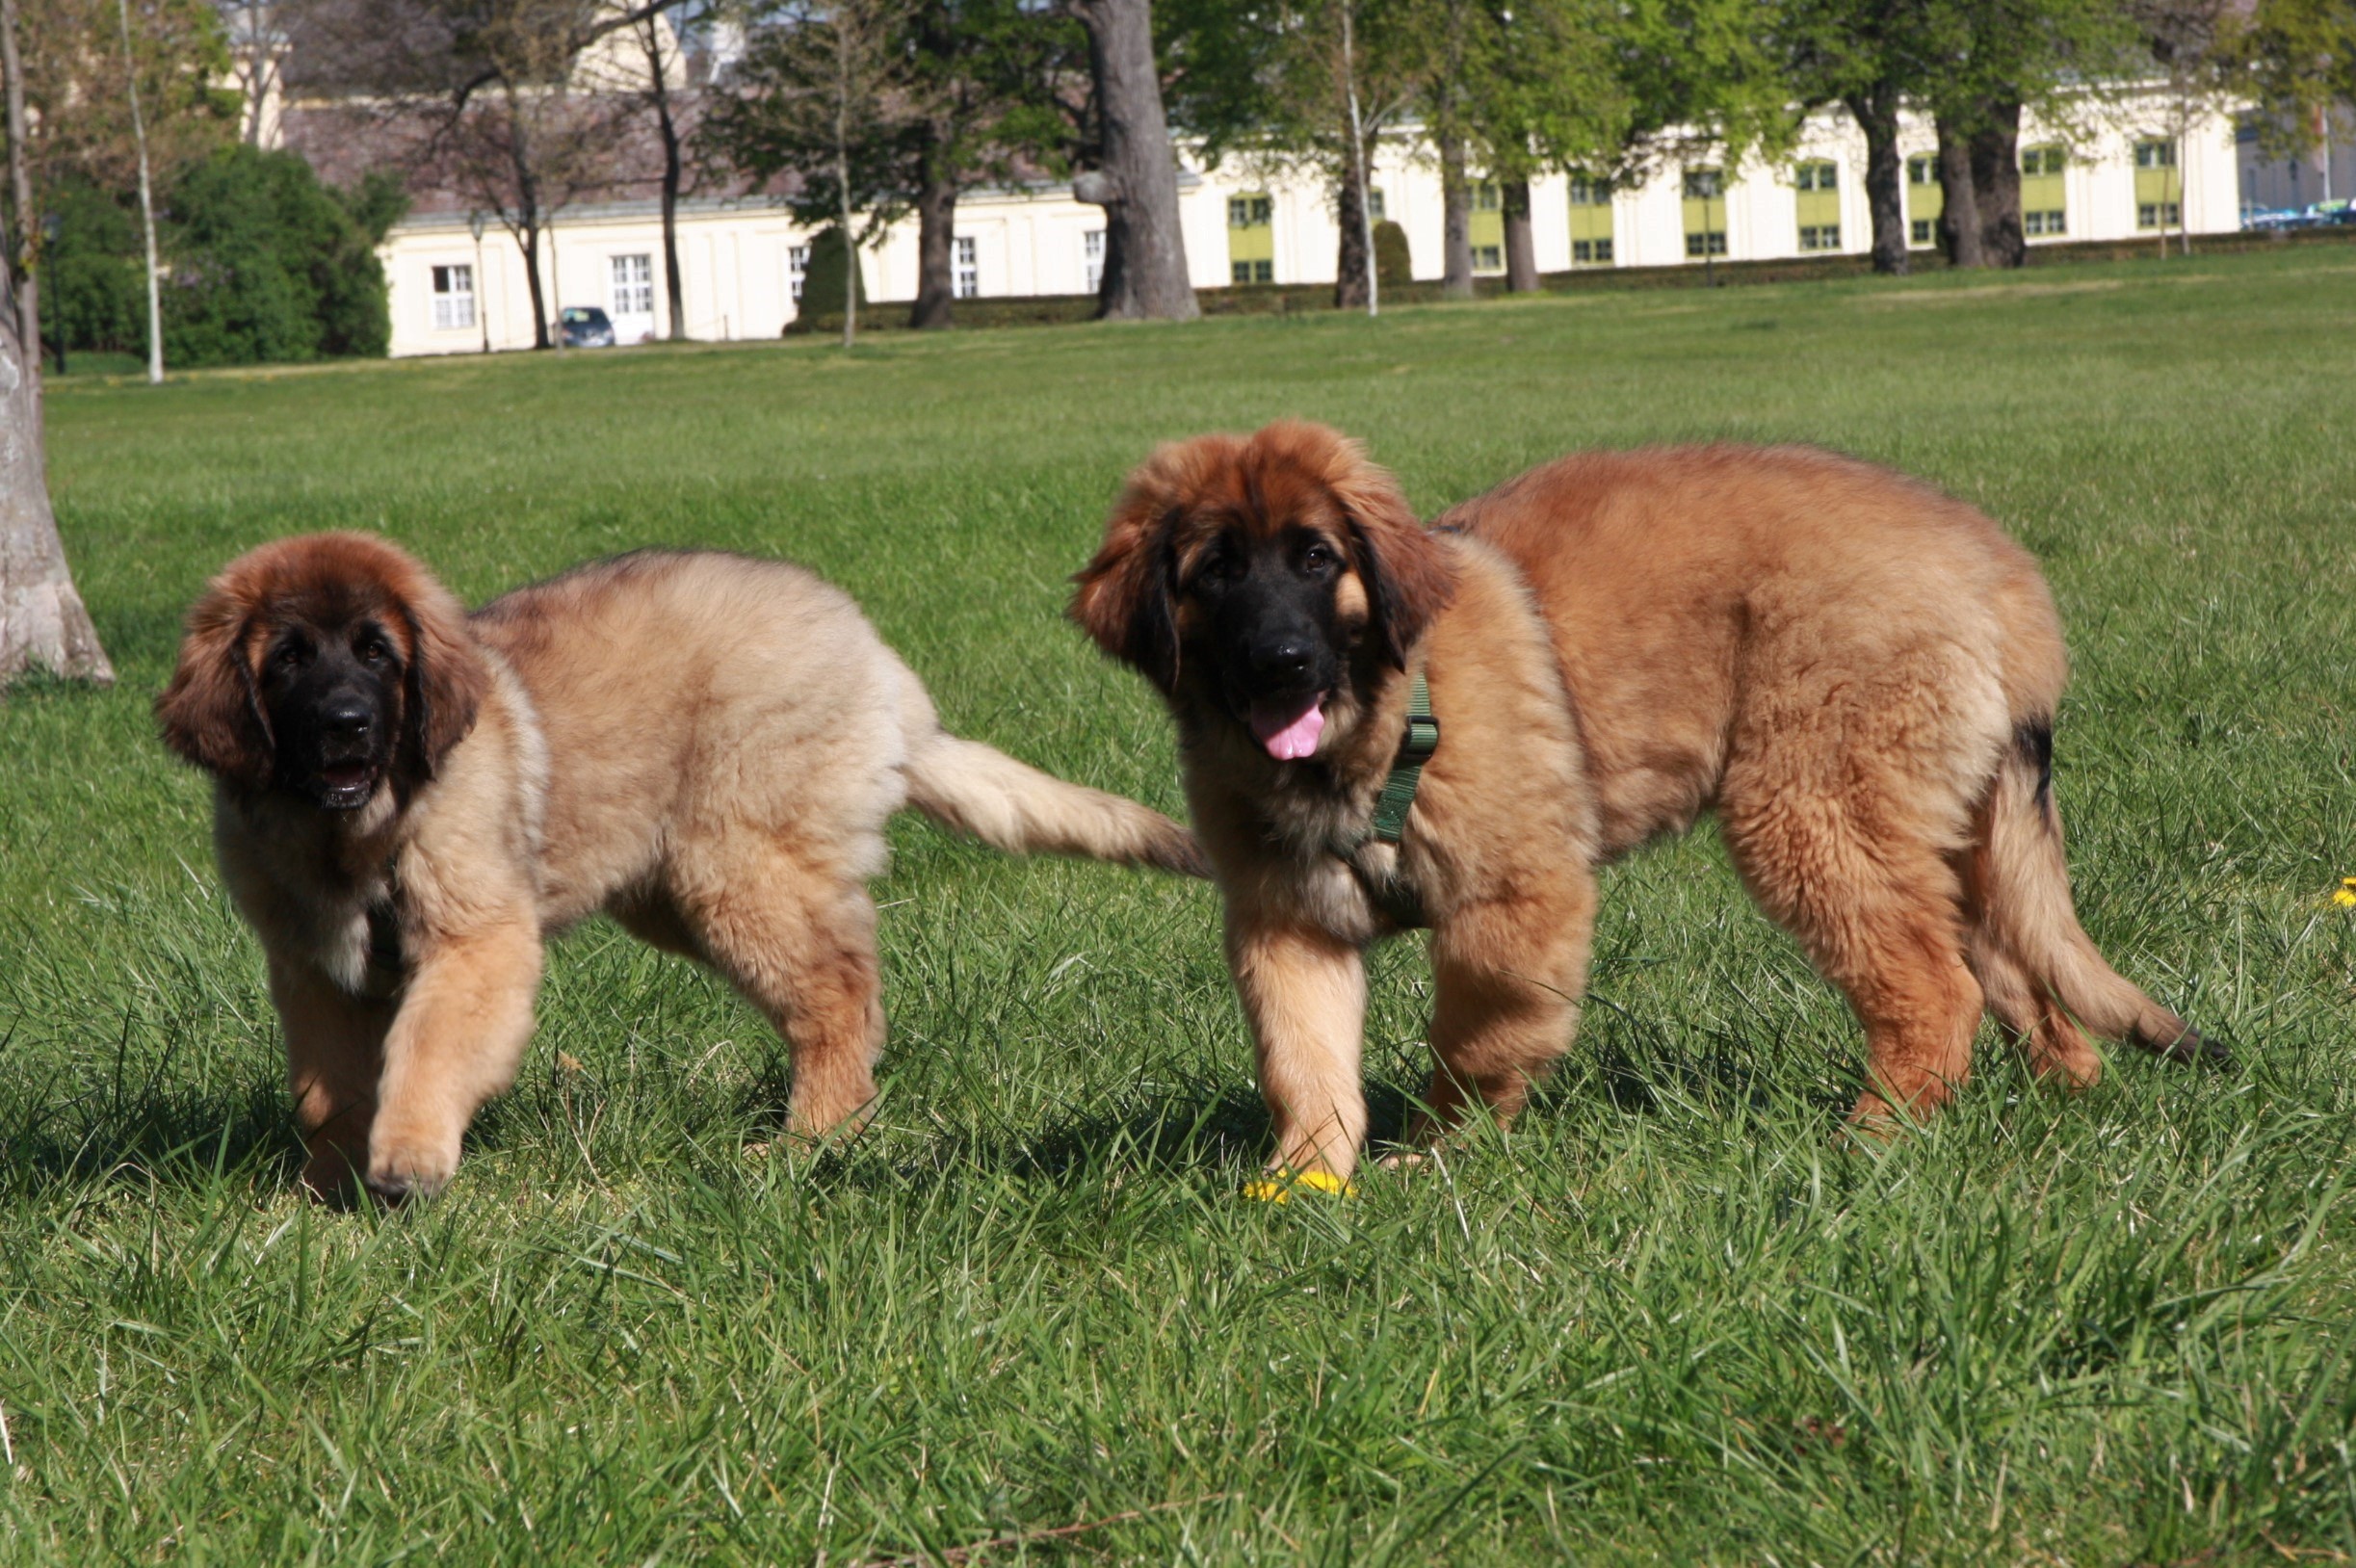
(374, 653)
(1317, 559)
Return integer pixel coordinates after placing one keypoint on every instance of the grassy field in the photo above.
(1672, 1319)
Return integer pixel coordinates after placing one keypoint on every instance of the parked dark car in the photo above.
(585, 327)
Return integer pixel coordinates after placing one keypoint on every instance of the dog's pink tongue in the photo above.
(1289, 733)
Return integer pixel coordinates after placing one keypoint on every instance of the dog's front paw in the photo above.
(402, 1168)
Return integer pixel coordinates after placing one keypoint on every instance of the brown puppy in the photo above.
(703, 745)
(1856, 672)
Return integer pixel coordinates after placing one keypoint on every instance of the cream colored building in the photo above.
(2116, 173)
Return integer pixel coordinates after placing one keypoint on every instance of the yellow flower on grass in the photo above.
(2345, 897)
(1277, 1186)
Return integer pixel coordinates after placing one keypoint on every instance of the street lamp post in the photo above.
(474, 222)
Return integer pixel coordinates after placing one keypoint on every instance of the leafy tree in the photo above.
(1986, 60)
(1866, 56)
(1299, 86)
(2301, 59)
(268, 265)
(1549, 98)
(821, 93)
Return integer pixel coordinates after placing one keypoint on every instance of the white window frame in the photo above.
(797, 271)
(965, 264)
(448, 316)
(1092, 258)
(622, 288)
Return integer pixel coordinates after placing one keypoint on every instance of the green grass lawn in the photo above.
(1673, 1318)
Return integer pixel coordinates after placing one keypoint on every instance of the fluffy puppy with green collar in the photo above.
(1856, 673)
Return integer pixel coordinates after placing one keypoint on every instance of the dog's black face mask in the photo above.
(1271, 629)
(332, 697)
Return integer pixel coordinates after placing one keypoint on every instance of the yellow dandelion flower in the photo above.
(1277, 1186)
(2345, 897)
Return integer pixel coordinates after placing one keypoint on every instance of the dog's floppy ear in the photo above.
(446, 680)
(1127, 598)
(211, 712)
(1407, 578)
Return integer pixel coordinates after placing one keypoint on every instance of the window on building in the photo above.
(796, 269)
(1818, 204)
(1591, 220)
(1092, 258)
(1251, 239)
(633, 286)
(1705, 213)
(1374, 204)
(2160, 186)
(968, 265)
(1488, 228)
(1925, 200)
(454, 297)
(2044, 192)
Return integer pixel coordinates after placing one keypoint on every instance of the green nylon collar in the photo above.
(1415, 748)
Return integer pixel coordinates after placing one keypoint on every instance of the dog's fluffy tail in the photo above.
(976, 790)
(2042, 974)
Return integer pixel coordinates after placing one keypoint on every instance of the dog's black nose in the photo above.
(1281, 661)
(346, 720)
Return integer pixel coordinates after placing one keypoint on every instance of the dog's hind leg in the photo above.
(1506, 977)
(1878, 911)
(797, 937)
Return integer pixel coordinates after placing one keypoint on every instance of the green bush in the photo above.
(822, 284)
(1393, 264)
(267, 264)
(93, 299)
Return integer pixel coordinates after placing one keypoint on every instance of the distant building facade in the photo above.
(2120, 176)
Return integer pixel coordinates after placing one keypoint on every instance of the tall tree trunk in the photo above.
(527, 231)
(42, 621)
(1370, 274)
(1958, 201)
(675, 291)
(146, 203)
(936, 228)
(1996, 184)
(1455, 221)
(1521, 241)
(1145, 266)
(1353, 261)
(842, 188)
(1885, 175)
